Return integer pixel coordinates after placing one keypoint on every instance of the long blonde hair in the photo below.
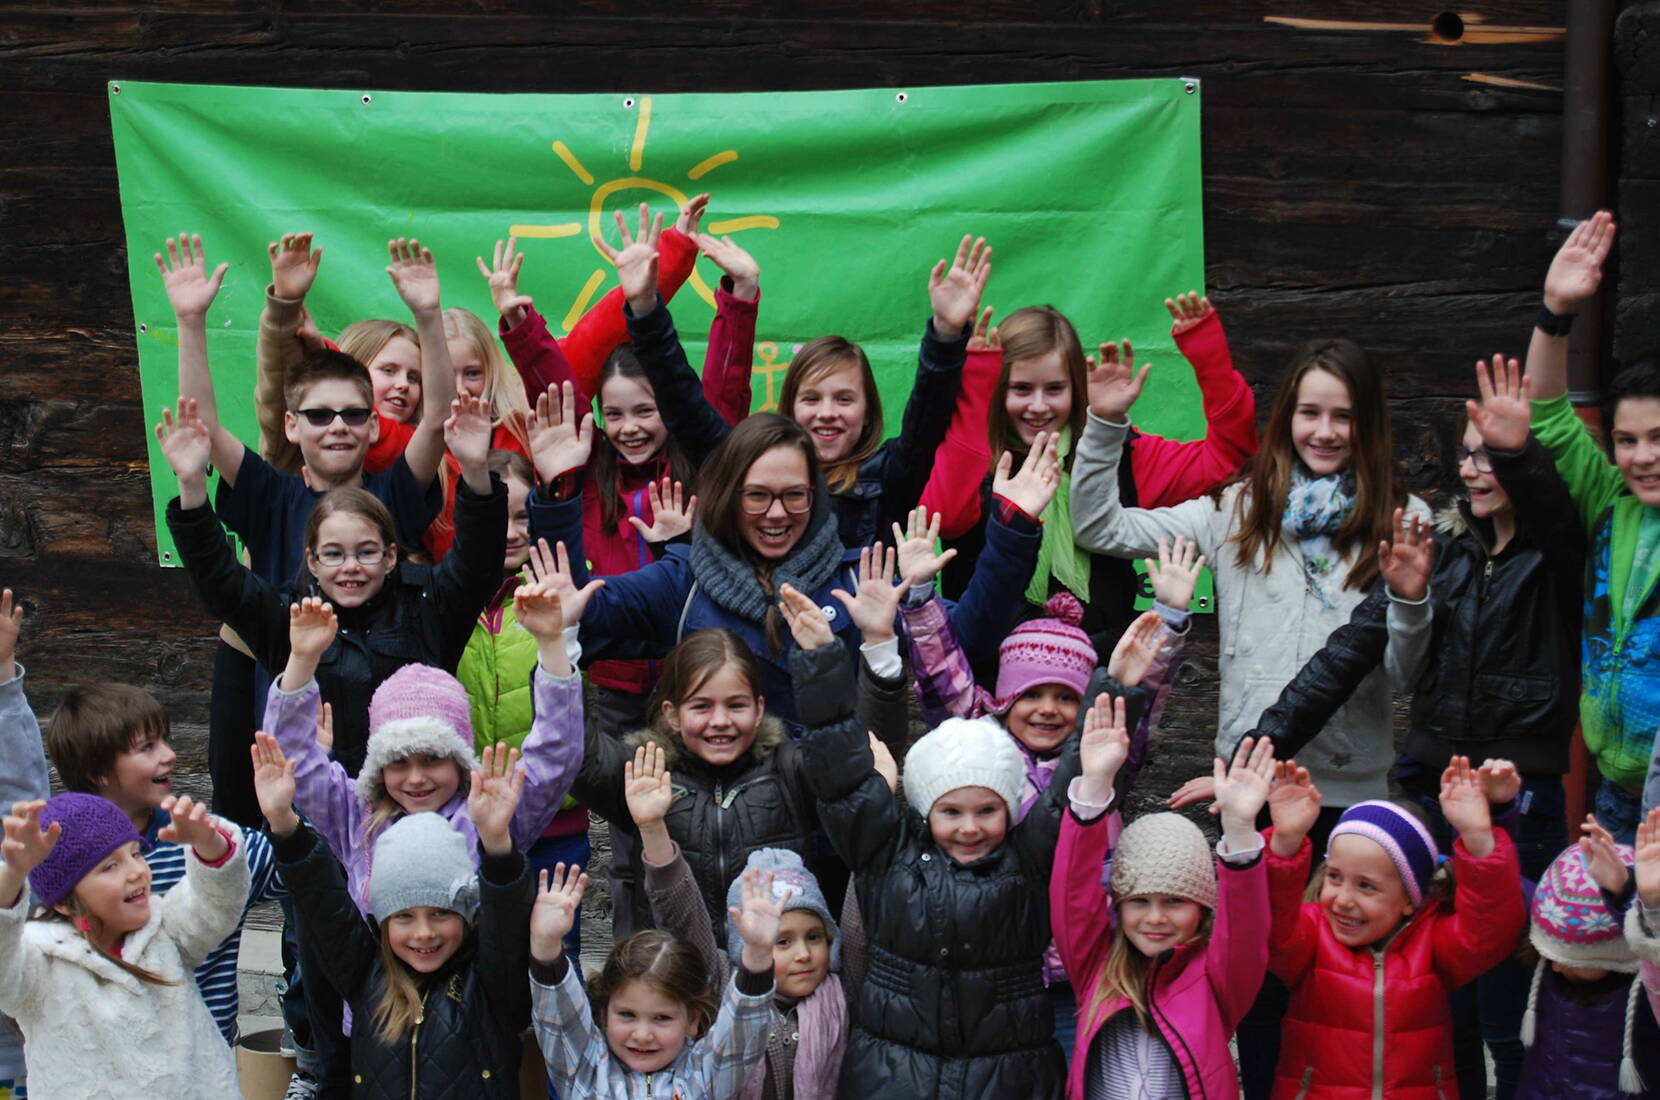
(504, 391)
(400, 995)
(1124, 974)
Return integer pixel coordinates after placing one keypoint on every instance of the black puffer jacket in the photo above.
(1502, 674)
(474, 1010)
(953, 1004)
(423, 614)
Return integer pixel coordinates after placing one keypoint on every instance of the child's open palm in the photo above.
(690, 215)
(876, 603)
(1293, 805)
(736, 263)
(467, 432)
(672, 514)
(955, 289)
(758, 918)
(1576, 271)
(190, 289)
(559, 441)
(1463, 802)
(1105, 742)
(1176, 572)
(503, 276)
(414, 274)
(273, 783)
(1136, 648)
(1602, 856)
(538, 608)
(1648, 859)
(26, 845)
(1503, 414)
(191, 825)
(186, 443)
(1187, 310)
(1406, 562)
(1500, 781)
(557, 899)
(806, 620)
(1114, 383)
(648, 788)
(918, 563)
(551, 570)
(293, 265)
(637, 259)
(1242, 789)
(1034, 486)
(984, 337)
(312, 626)
(494, 796)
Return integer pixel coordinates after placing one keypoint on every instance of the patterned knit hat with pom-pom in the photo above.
(1051, 650)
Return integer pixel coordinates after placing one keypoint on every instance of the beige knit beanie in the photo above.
(1164, 854)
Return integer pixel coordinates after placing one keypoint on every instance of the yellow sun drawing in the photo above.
(596, 206)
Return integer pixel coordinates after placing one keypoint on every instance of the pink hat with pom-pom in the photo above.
(1050, 650)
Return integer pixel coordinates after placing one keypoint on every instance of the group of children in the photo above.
(806, 902)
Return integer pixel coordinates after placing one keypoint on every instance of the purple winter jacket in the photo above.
(1577, 1047)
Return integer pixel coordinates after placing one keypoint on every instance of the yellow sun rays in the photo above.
(635, 181)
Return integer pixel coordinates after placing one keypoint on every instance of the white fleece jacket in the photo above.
(1271, 623)
(93, 1029)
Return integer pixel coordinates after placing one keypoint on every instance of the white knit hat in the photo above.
(1164, 853)
(422, 860)
(964, 752)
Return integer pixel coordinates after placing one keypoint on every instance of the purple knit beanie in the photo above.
(1051, 650)
(93, 827)
(1408, 843)
(417, 709)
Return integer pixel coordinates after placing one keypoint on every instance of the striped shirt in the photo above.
(1128, 1063)
(216, 977)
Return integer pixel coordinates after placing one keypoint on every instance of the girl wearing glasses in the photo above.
(392, 613)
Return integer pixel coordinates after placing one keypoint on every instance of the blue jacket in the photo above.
(647, 612)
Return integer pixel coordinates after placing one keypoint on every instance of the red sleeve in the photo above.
(394, 437)
(1168, 471)
(602, 328)
(963, 458)
(1488, 916)
(731, 355)
(1293, 932)
(537, 356)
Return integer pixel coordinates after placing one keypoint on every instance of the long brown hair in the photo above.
(362, 340)
(817, 359)
(1267, 478)
(623, 363)
(689, 666)
(1026, 334)
(720, 485)
(667, 964)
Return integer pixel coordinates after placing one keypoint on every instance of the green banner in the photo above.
(1089, 192)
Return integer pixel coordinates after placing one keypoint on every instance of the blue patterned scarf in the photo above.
(1314, 509)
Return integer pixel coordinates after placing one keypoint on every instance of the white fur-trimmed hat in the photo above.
(964, 752)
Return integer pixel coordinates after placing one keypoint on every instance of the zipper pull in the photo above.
(1489, 571)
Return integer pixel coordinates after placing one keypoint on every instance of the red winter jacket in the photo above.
(1373, 1023)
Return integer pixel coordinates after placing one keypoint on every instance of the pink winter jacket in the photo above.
(1199, 991)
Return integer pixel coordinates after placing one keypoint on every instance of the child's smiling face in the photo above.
(424, 937)
(644, 1027)
(1043, 716)
(1362, 895)
(114, 896)
(969, 822)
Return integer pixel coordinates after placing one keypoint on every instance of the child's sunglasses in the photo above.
(355, 417)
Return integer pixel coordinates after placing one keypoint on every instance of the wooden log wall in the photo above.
(1388, 172)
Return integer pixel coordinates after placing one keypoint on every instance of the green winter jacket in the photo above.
(1620, 705)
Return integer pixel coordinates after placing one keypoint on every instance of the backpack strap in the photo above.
(686, 610)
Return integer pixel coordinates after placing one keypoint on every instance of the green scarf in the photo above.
(1059, 555)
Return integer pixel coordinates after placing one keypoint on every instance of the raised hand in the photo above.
(757, 920)
(886, 766)
(1034, 486)
(325, 727)
(1576, 272)
(1294, 807)
(293, 265)
(503, 276)
(637, 260)
(1136, 648)
(312, 626)
(552, 569)
(918, 564)
(1187, 310)
(1176, 572)
(11, 624)
(27, 845)
(274, 784)
(984, 336)
(494, 797)
(690, 215)
(467, 435)
(672, 514)
(648, 787)
(1464, 805)
(1505, 409)
(559, 442)
(1500, 781)
(554, 912)
(190, 289)
(955, 290)
(1103, 747)
(1648, 860)
(193, 827)
(1242, 788)
(807, 623)
(1201, 788)
(186, 444)
(414, 275)
(1602, 856)
(1114, 384)
(876, 605)
(1405, 563)
(737, 264)
(538, 608)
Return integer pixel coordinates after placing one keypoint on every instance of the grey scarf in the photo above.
(731, 580)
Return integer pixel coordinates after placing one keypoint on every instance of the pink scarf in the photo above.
(821, 1021)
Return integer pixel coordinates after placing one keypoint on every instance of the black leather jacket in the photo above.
(1502, 675)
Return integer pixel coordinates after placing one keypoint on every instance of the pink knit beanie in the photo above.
(1051, 650)
(417, 709)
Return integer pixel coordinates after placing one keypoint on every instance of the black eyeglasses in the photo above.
(1484, 465)
(758, 502)
(355, 417)
(334, 557)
